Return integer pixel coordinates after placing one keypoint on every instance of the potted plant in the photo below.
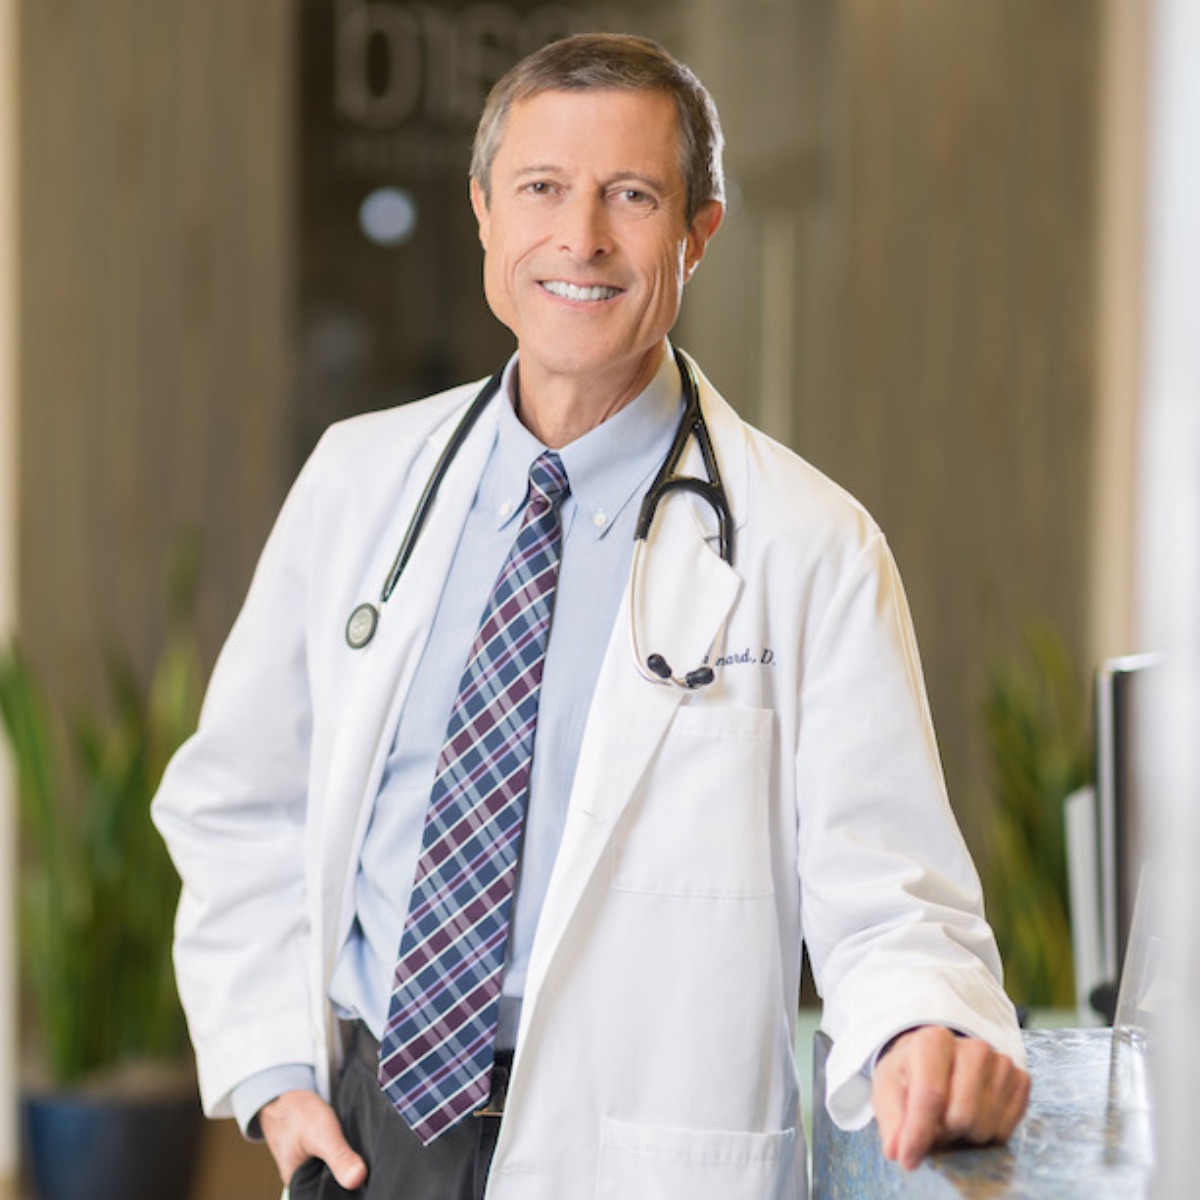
(111, 1077)
(1035, 723)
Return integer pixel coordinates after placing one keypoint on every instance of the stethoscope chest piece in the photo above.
(360, 629)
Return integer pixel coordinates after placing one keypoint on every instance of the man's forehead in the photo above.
(643, 113)
(601, 93)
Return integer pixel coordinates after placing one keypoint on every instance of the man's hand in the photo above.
(298, 1126)
(932, 1088)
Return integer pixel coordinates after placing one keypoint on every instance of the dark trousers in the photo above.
(399, 1167)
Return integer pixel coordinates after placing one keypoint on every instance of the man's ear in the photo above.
(704, 225)
(479, 204)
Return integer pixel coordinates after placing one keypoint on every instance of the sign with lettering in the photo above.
(409, 80)
(390, 302)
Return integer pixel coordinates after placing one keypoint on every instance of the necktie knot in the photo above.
(548, 483)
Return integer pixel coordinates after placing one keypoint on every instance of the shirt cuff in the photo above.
(251, 1094)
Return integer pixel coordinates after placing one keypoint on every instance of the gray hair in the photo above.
(595, 61)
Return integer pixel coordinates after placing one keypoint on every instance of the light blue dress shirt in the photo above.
(609, 469)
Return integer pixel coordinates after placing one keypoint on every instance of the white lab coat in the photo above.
(800, 792)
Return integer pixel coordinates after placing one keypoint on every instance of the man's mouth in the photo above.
(570, 291)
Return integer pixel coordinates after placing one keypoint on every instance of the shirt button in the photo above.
(506, 508)
(599, 520)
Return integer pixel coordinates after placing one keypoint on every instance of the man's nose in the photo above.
(586, 230)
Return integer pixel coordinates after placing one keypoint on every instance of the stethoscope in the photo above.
(364, 620)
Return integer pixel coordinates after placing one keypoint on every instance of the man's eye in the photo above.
(539, 188)
(637, 199)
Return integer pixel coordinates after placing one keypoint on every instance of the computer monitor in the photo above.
(1120, 696)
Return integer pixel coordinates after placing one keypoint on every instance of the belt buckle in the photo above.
(493, 1106)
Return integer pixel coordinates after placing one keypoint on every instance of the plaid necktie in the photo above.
(435, 1059)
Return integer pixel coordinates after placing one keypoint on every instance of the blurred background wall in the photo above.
(8, 570)
(909, 285)
(924, 285)
(904, 290)
(157, 200)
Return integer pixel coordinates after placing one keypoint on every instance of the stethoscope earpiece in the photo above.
(659, 666)
(654, 667)
(700, 677)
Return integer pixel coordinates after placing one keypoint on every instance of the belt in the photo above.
(501, 1071)
(360, 1041)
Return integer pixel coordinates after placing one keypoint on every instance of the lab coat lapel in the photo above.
(684, 596)
(388, 664)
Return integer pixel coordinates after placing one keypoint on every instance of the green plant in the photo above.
(97, 890)
(1035, 722)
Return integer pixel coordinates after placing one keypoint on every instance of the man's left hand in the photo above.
(932, 1088)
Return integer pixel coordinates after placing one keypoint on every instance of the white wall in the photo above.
(8, 558)
(1169, 528)
(1120, 202)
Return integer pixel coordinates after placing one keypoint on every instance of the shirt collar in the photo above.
(608, 466)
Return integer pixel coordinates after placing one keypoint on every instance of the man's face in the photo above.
(586, 240)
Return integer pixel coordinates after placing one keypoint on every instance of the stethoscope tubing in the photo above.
(429, 495)
(363, 621)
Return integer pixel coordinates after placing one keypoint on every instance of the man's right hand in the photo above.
(298, 1126)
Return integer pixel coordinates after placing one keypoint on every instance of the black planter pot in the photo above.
(83, 1147)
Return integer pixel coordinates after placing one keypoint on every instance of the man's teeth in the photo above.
(568, 291)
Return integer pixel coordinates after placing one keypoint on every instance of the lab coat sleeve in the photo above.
(892, 906)
(231, 808)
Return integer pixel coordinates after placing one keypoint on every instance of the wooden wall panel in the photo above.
(965, 361)
(927, 169)
(9, 1053)
(156, 233)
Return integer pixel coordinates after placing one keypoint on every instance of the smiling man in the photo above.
(481, 898)
(589, 237)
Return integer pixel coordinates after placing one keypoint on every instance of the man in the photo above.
(629, 1024)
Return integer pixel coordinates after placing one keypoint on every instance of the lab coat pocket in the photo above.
(656, 1163)
(699, 823)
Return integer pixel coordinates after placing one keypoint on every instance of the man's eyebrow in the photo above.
(535, 169)
(653, 182)
(656, 183)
